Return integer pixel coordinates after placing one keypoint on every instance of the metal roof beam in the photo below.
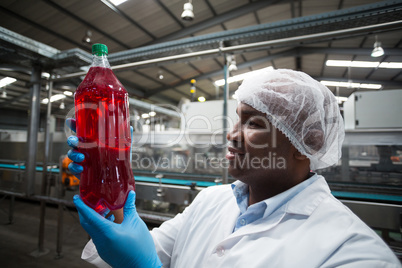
(173, 16)
(115, 9)
(87, 24)
(235, 13)
(283, 54)
(240, 66)
(338, 22)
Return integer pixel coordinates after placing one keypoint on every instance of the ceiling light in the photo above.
(363, 64)
(350, 84)
(201, 99)
(62, 106)
(85, 68)
(341, 99)
(6, 81)
(4, 94)
(87, 37)
(145, 116)
(231, 59)
(54, 98)
(236, 78)
(152, 114)
(232, 67)
(160, 75)
(68, 93)
(391, 65)
(45, 75)
(117, 2)
(348, 63)
(188, 14)
(377, 51)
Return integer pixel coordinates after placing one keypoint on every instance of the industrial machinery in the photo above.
(173, 165)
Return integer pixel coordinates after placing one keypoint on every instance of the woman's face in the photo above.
(257, 151)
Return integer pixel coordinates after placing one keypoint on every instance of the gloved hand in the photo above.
(76, 156)
(128, 244)
(73, 154)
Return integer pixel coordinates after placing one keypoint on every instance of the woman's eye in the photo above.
(253, 124)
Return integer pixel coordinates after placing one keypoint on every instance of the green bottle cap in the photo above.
(99, 49)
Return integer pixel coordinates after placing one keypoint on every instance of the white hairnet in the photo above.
(303, 109)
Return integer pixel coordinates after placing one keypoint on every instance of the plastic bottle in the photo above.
(103, 130)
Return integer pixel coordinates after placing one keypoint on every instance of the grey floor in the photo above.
(19, 239)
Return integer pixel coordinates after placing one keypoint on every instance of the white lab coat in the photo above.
(312, 230)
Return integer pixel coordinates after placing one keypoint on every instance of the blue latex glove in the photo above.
(128, 244)
(73, 154)
(76, 156)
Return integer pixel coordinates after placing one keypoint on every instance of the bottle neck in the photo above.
(100, 61)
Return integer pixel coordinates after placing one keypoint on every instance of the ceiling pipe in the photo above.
(284, 42)
(153, 107)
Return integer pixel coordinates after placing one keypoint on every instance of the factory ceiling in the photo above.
(148, 39)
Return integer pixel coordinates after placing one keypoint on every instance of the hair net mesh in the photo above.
(303, 109)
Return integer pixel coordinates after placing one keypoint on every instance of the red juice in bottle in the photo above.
(103, 130)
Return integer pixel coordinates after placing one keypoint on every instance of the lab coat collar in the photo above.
(282, 200)
(308, 200)
(304, 203)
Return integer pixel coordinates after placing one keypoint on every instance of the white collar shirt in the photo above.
(249, 214)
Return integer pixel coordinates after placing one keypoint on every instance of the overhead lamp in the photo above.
(350, 84)
(160, 75)
(237, 78)
(54, 98)
(45, 75)
(62, 106)
(68, 93)
(87, 37)
(6, 81)
(201, 99)
(341, 99)
(188, 14)
(117, 2)
(145, 116)
(231, 59)
(364, 64)
(4, 94)
(152, 114)
(377, 51)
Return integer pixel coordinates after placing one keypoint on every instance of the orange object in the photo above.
(68, 179)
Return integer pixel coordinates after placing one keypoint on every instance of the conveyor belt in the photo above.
(368, 197)
(22, 167)
(175, 181)
(137, 178)
(183, 182)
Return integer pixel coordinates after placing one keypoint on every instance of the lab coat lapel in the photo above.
(261, 225)
(310, 198)
(302, 204)
(230, 214)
